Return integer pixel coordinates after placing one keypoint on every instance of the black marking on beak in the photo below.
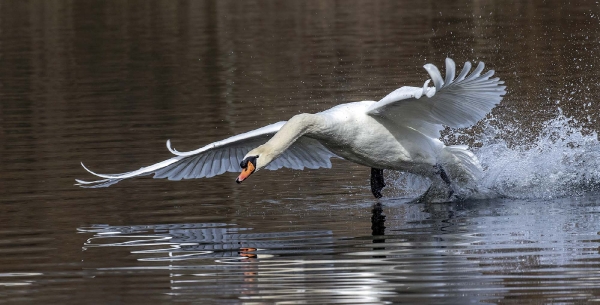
(247, 170)
(252, 159)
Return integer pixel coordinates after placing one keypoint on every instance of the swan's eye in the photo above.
(252, 159)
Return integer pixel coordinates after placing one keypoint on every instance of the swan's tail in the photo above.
(463, 168)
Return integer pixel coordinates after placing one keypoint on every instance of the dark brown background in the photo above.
(107, 82)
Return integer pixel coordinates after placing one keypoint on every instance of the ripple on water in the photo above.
(455, 254)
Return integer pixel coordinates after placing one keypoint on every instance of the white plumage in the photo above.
(398, 132)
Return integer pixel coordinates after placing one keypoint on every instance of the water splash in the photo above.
(563, 160)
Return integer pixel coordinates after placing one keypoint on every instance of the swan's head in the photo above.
(255, 160)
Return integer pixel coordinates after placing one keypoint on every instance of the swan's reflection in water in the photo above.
(220, 259)
(204, 259)
(203, 240)
(450, 253)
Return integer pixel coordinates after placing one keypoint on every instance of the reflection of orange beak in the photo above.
(245, 173)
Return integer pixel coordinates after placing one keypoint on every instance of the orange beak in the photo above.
(245, 173)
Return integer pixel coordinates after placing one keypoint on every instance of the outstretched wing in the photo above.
(219, 157)
(457, 103)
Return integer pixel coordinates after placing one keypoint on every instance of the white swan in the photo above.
(399, 132)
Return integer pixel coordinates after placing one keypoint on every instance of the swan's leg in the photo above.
(439, 169)
(377, 183)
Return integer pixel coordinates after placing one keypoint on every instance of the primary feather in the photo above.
(222, 156)
(457, 103)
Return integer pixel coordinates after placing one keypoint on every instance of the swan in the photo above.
(399, 132)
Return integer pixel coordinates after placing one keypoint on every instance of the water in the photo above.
(561, 162)
(108, 82)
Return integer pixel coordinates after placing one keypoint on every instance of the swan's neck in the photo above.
(297, 126)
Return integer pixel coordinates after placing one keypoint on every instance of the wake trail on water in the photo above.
(562, 161)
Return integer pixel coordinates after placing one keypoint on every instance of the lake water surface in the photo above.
(108, 82)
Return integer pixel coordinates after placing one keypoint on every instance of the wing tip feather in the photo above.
(450, 70)
(173, 150)
(435, 75)
(93, 173)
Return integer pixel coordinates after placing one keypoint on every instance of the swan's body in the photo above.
(399, 132)
(350, 133)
